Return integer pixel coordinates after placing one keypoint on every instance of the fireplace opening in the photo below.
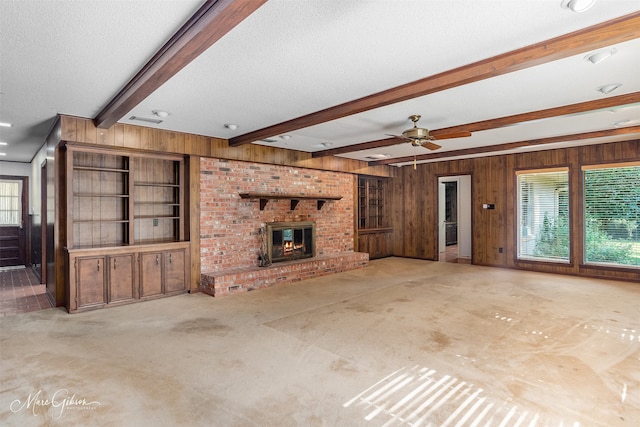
(289, 241)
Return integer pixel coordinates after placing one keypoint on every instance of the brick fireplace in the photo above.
(237, 202)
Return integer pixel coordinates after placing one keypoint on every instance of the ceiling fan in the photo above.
(420, 137)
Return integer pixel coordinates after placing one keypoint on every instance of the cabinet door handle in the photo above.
(114, 264)
(170, 255)
(157, 259)
(98, 265)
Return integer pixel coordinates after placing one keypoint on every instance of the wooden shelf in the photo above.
(156, 184)
(295, 199)
(100, 169)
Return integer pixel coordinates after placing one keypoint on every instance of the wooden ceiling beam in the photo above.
(212, 21)
(617, 30)
(580, 107)
(510, 145)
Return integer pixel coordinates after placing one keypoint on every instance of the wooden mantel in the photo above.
(295, 198)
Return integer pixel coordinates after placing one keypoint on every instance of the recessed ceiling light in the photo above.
(606, 89)
(231, 126)
(285, 136)
(3, 154)
(577, 6)
(5, 125)
(597, 57)
(3, 143)
(327, 144)
(269, 140)
(161, 114)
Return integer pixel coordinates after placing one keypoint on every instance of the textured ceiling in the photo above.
(292, 58)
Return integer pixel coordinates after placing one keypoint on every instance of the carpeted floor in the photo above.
(402, 342)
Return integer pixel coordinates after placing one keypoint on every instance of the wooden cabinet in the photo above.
(175, 266)
(377, 243)
(126, 228)
(120, 278)
(373, 230)
(90, 272)
(372, 207)
(102, 277)
(162, 273)
(150, 274)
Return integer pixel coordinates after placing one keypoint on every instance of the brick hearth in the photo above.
(248, 279)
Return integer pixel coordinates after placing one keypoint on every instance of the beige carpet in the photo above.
(402, 342)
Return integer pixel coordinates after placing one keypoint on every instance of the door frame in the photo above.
(25, 239)
(43, 222)
(464, 214)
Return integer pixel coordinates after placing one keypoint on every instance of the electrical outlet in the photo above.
(155, 222)
(500, 250)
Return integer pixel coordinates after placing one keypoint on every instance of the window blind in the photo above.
(543, 215)
(612, 214)
(10, 207)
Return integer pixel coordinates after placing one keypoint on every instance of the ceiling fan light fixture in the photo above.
(598, 57)
(607, 89)
(577, 6)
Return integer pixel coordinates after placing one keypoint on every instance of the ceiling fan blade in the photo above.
(430, 145)
(451, 135)
(396, 136)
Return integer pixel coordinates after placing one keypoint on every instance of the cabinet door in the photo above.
(90, 281)
(121, 274)
(150, 274)
(174, 268)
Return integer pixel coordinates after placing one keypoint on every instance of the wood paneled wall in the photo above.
(415, 206)
(76, 129)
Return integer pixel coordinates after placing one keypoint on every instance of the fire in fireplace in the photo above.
(288, 241)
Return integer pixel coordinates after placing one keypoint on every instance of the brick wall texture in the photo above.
(229, 225)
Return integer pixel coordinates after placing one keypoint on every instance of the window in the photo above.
(612, 214)
(10, 206)
(543, 215)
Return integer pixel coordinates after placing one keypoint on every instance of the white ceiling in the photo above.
(292, 57)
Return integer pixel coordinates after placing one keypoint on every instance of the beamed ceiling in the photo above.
(328, 77)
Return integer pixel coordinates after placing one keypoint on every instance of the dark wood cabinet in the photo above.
(103, 277)
(90, 272)
(150, 274)
(174, 271)
(373, 223)
(121, 273)
(372, 206)
(377, 243)
(126, 235)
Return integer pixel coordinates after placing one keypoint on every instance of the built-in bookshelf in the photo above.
(126, 239)
(117, 199)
